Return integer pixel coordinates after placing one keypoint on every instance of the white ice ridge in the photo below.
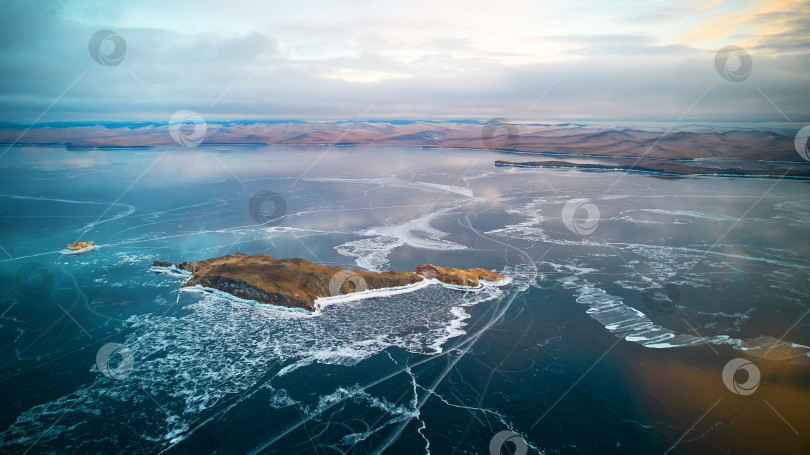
(399, 183)
(688, 213)
(323, 302)
(372, 253)
(633, 325)
(173, 271)
(531, 229)
(66, 201)
(460, 190)
(129, 208)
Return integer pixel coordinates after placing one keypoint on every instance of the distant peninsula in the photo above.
(298, 283)
(661, 167)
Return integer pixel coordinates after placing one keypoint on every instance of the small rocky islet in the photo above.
(298, 283)
(81, 245)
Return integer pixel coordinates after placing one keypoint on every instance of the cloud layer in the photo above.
(325, 60)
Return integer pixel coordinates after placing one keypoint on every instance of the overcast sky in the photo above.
(521, 60)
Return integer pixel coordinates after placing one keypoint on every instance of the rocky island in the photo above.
(81, 245)
(298, 283)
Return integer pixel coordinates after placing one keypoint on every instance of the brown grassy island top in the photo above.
(297, 283)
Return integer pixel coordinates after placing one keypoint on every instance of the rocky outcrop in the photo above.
(297, 283)
(81, 245)
(294, 283)
(458, 277)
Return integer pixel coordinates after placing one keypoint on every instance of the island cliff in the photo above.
(297, 283)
